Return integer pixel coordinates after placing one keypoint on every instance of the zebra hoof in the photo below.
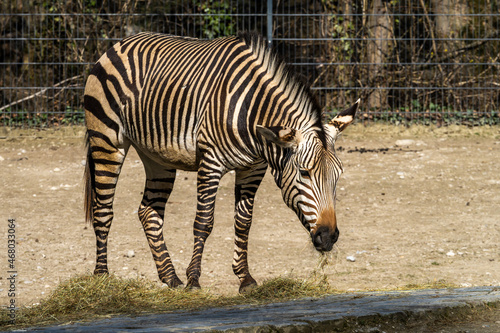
(193, 285)
(174, 282)
(247, 285)
(101, 271)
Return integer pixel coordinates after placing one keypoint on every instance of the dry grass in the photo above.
(90, 297)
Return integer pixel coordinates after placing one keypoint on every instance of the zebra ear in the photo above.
(282, 136)
(344, 118)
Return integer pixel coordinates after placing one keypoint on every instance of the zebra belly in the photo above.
(172, 157)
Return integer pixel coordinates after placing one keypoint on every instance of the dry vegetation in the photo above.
(90, 297)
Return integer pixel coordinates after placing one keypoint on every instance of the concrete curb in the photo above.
(306, 315)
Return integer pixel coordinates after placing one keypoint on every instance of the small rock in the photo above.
(401, 174)
(450, 254)
(130, 254)
(351, 258)
(57, 169)
(404, 142)
(1, 158)
(84, 162)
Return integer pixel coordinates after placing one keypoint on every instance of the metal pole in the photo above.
(269, 22)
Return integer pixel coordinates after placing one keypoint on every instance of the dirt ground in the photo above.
(409, 213)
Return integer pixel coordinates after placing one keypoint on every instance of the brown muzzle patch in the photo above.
(325, 233)
(328, 219)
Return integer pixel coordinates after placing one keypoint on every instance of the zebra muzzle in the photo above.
(323, 239)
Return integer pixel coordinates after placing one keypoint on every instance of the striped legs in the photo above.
(208, 183)
(159, 185)
(107, 162)
(247, 183)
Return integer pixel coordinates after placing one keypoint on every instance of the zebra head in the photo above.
(307, 174)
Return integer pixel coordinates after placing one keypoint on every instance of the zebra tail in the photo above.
(89, 180)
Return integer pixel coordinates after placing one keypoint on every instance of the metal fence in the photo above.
(410, 61)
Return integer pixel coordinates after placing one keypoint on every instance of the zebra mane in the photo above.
(293, 84)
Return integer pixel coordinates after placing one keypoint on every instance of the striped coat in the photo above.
(209, 107)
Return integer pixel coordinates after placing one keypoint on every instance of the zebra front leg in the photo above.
(208, 183)
(247, 183)
(159, 185)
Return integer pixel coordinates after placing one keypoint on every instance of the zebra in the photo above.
(209, 107)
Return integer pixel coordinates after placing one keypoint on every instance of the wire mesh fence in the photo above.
(410, 61)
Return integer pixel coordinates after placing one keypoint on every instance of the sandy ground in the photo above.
(414, 213)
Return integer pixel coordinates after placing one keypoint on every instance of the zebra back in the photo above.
(172, 95)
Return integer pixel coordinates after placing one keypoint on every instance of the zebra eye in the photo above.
(304, 173)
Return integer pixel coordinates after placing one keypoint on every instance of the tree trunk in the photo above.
(380, 44)
(449, 26)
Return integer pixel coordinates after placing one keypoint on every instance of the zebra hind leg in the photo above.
(246, 185)
(104, 163)
(159, 185)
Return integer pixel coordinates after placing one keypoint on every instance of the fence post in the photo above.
(269, 22)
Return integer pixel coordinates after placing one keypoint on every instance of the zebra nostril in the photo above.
(335, 236)
(323, 239)
(317, 240)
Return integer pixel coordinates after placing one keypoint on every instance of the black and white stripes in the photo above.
(210, 107)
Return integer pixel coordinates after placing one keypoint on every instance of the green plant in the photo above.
(73, 116)
(216, 21)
